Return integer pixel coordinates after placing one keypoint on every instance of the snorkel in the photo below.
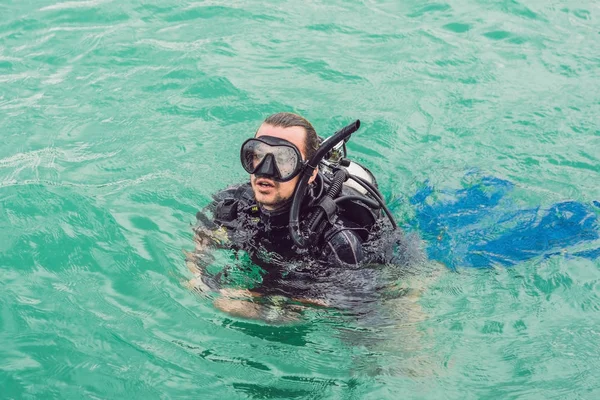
(340, 176)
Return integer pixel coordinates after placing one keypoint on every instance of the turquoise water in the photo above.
(120, 118)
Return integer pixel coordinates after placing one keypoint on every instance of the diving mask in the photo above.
(271, 157)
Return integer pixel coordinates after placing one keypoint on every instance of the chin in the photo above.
(272, 202)
(265, 200)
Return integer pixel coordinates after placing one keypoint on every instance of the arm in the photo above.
(208, 235)
(214, 224)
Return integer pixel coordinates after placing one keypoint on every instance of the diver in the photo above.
(305, 208)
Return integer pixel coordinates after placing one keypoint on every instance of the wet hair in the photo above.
(288, 120)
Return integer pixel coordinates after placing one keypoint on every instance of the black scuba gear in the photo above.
(330, 148)
(264, 236)
(236, 210)
(271, 157)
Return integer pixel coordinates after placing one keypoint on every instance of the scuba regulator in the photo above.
(331, 157)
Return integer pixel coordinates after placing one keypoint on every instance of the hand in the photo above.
(197, 284)
(196, 262)
(209, 237)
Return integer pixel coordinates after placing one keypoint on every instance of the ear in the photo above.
(313, 176)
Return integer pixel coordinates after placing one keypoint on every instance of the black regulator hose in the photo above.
(339, 178)
(365, 200)
(373, 190)
(310, 167)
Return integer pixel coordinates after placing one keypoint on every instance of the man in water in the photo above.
(254, 217)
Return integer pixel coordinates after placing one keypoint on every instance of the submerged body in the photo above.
(287, 269)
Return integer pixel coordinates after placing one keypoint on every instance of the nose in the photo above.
(266, 167)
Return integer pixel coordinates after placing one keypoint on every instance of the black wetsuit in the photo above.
(265, 237)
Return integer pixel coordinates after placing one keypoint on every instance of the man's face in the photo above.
(269, 193)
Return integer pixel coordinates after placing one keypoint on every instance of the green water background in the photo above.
(118, 119)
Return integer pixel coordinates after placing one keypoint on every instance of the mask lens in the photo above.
(286, 160)
(253, 153)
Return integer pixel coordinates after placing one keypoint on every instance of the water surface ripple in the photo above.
(120, 118)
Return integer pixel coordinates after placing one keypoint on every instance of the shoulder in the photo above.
(236, 192)
(224, 204)
(344, 245)
(228, 202)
